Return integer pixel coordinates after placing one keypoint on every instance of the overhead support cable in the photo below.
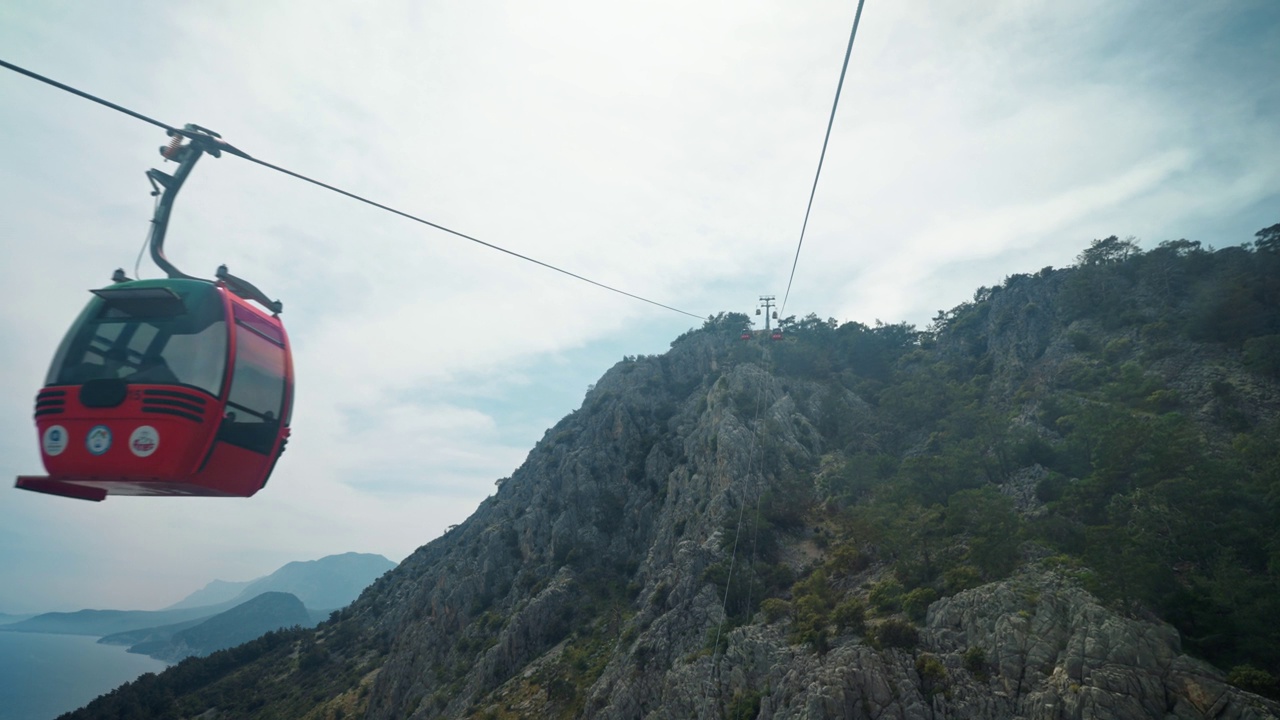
(86, 96)
(464, 236)
(224, 147)
(831, 121)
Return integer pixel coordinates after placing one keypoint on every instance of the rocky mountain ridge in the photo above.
(326, 583)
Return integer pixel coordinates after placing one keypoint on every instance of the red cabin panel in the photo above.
(157, 432)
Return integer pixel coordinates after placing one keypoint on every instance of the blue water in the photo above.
(43, 676)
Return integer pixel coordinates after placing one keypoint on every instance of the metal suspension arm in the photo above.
(167, 186)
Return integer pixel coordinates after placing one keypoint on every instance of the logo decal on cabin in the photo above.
(99, 440)
(55, 440)
(144, 441)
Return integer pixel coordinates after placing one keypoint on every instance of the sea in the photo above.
(43, 676)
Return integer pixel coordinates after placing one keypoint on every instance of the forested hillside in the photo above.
(1120, 416)
(1059, 499)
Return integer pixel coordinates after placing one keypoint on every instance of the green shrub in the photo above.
(659, 594)
(775, 609)
(975, 661)
(1117, 349)
(745, 705)
(851, 616)
(894, 634)
(961, 577)
(933, 674)
(313, 658)
(916, 603)
(811, 620)
(1251, 679)
(846, 560)
(1152, 332)
(1081, 340)
(1080, 375)
(1162, 400)
(1051, 487)
(1155, 351)
(886, 596)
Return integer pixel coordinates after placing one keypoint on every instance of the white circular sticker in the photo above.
(99, 440)
(144, 441)
(54, 440)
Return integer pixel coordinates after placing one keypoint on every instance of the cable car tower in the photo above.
(766, 302)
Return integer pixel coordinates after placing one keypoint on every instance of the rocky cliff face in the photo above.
(1030, 647)
(619, 572)
(583, 582)
(621, 500)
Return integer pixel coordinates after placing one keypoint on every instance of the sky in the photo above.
(665, 148)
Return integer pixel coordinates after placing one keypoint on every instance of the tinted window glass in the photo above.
(199, 359)
(187, 349)
(257, 392)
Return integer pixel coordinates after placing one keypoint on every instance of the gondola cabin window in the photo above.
(146, 336)
(252, 419)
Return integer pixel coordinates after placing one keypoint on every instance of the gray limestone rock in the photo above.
(629, 497)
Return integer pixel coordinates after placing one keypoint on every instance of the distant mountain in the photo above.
(326, 584)
(266, 612)
(159, 634)
(217, 592)
(162, 634)
(322, 585)
(6, 618)
(104, 622)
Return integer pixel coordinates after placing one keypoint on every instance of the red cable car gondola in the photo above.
(178, 386)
